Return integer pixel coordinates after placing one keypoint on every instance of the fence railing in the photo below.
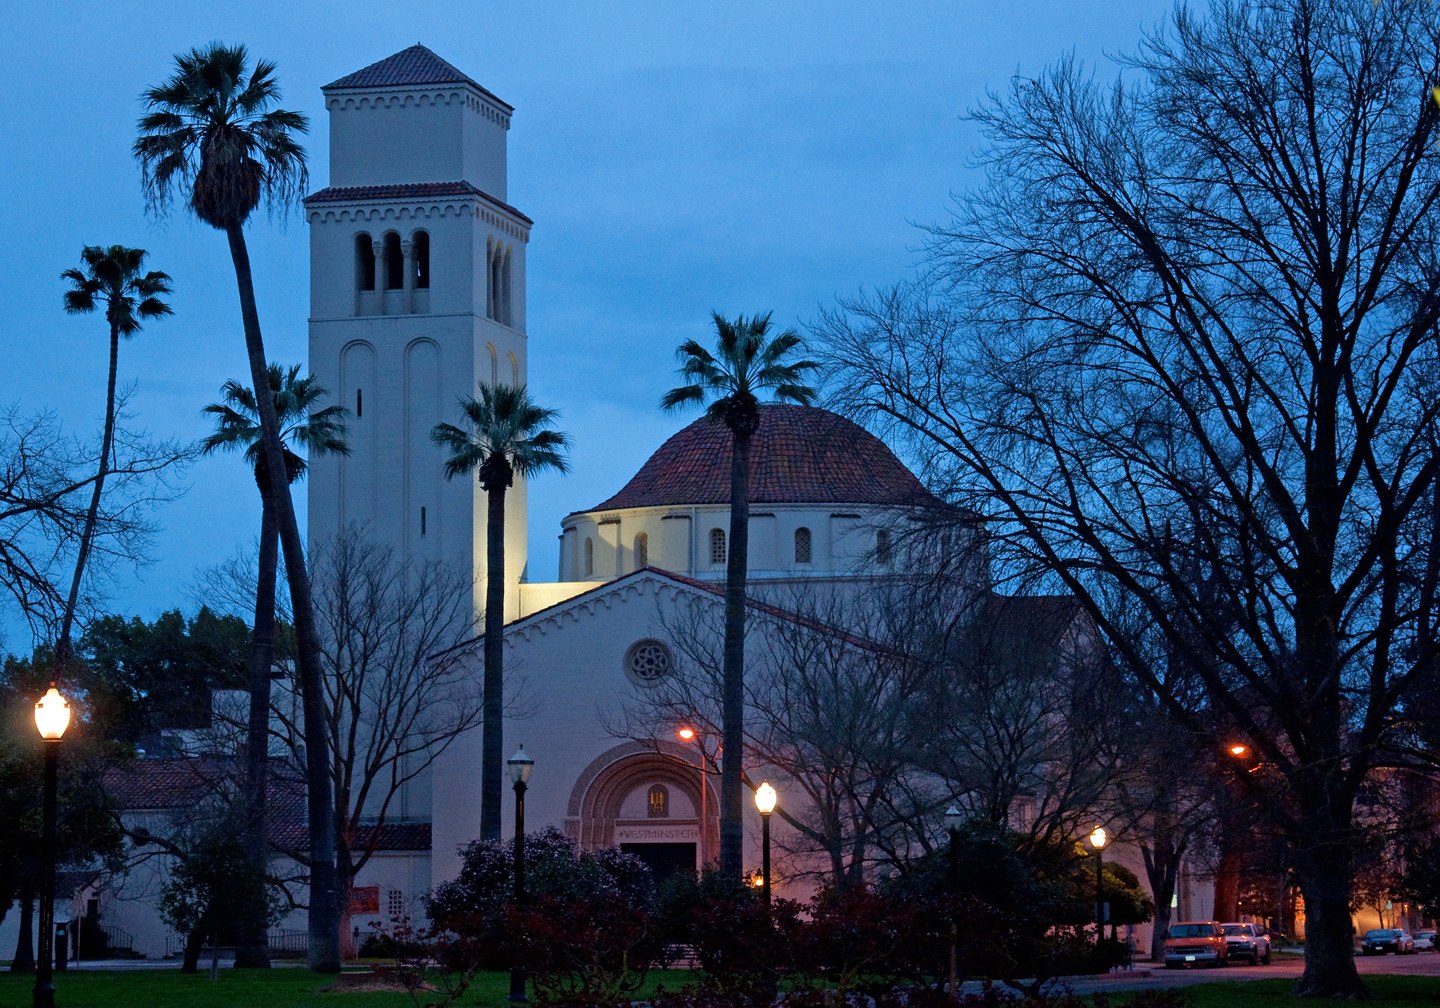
(289, 944)
(117, 939)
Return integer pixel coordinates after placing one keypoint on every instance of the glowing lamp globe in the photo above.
(52, 715)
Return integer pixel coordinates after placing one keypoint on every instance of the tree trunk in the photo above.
(24, 959)
(492, 753)
(324, 916)
(1322, 853)
(253, 951)
(1227, 883)
(87, 533)
(732, 712)
(194, 943)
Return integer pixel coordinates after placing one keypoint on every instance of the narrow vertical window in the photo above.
(492, 269)
(642, 551)
(421, 246)
(505, 315)
(364, 262)
(657, 802)
(359, 402)
(717, 545)
(802, 545)
(394, 262)
(883, 550)
(589, 557)
(422, 521)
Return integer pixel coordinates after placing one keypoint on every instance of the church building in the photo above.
(417, 297)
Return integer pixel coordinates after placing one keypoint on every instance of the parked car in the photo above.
(1250, 942)
(1382, 940)
(1195, 943)
(1424, 940)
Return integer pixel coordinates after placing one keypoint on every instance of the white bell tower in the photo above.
(417, 295)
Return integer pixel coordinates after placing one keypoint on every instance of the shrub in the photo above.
(587, 932)
(742, 949)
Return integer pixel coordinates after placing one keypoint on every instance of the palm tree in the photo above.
(211, 132)
(747, 363)
(111, 276)
(237, 425)
(506, 434)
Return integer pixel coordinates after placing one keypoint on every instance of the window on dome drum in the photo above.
(802, 545)
(642, 551)
(359, 402)
(394, 262)
(422, 521)
(657, 802)
(421, 252)
(883, 550)
(717, 545)
(589, 557)
(365, 261)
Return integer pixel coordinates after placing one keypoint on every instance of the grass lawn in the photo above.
(273, 988)
(296, 988)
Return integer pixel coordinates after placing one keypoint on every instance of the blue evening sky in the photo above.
(677, 158)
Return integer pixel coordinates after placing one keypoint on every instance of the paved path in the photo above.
(1151, 976)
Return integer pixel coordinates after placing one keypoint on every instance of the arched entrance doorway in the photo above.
(645, 799)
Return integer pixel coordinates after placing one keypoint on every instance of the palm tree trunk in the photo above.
(732, 707)
(324, 917)
(492, 755)
(87, 534)
(254, 949)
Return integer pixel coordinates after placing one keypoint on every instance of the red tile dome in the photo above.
(799, 455)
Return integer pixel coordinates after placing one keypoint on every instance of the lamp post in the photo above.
(52, 717)
(687, 734)
(519, 766)
(765, 798)
(952, 880)
(1097, 840)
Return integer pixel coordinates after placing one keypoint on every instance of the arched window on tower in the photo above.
(505, 315)
(883, 548)
(394, 262)
(421, 252)
(642, 550)
(490, 286)
(717, 545)
(802, 546)
(589, 557)
(364, 262)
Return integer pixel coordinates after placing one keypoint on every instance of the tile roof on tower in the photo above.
(413, 67)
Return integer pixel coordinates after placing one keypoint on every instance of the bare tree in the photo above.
(878, 706)
(1190, 357)
(45, 479)
(396, 691)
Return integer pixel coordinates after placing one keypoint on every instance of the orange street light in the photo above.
(685, 733)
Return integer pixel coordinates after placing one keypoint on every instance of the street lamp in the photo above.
(1097, 840)
(952, 880)
(687, 734)
(765, 798)
(519, 766)
(52, 717)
